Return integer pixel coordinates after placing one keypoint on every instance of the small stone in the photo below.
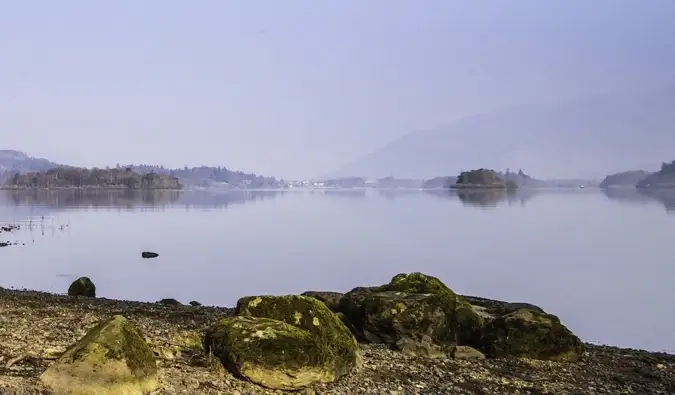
(466, 352)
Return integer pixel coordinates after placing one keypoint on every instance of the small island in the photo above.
(624, 179)
(482, 179)
(665, 178)
(67, 177)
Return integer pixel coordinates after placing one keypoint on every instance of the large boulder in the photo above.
(412, 308)
(83, 286)
(530, 334)
(112, 358)
(284, 342)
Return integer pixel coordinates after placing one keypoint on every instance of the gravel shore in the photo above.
(36, 327)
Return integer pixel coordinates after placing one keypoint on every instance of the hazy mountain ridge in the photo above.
(624, 179)
(586, 138)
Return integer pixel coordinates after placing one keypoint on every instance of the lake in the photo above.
(604, 262)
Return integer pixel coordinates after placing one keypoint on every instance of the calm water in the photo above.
(603, 262)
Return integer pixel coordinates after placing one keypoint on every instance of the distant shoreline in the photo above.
(97, 188)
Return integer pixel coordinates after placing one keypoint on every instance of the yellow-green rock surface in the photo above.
(111, 359)
(284, 342)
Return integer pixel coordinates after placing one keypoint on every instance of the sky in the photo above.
(298, 88)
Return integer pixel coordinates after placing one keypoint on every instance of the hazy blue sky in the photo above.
(296, 88)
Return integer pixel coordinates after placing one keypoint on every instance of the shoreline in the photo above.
(36, 326)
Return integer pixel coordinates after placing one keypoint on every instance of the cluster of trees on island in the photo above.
(78, 177)
(664, 178)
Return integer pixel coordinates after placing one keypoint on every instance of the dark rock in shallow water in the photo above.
(148, 254)
(83, 286)
(195, 303)
(170, 302)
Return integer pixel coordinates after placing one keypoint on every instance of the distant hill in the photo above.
(624, 179)
(586, 138)
(439, 182)
(665, 178)
(77, 177)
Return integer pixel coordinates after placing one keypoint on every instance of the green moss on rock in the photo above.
(112, 358)
(311, 315)
(277, 354)
(530, 334)
(83, 286)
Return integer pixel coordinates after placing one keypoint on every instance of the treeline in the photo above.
(205, 175)
(77, 177)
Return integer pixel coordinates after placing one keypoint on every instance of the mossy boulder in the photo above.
(311, 315)
(111, 359)
(275, 354)
(83, 286)
(530, 334)
(284, 342)
(431, 310)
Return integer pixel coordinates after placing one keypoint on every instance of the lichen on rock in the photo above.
(83, 286)
(111, 359)
(273, 353)
(411, 307)
(528, 333)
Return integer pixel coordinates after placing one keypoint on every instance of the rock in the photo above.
(284, 342)
(112, 358)
(269, 352)
(527, 333)
(83, 286)
(170, 302)
(194, 303)
(466, 352)
(423, 347)
(330, 299)
(413, 307)
(148, 254)
(495, 308)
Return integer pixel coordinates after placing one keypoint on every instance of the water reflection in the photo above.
(491, 198)
(642, 196)
(48, 200)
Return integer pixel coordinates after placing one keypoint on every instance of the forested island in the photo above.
(482, 178)
(78, 177)
(665, 178)
(624, 179)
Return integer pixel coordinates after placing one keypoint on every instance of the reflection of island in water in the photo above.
(129, 199)
(486, 198)
(665, 196)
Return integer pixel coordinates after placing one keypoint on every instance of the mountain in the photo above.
(586, 138)
(18, 161)
(624, 179)
(665, 178)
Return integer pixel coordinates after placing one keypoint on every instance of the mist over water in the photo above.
(598, 260)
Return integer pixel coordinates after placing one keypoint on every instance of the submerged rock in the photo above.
(148, 254)
(530, 334)
(112, 358)
(83, 286)
(284, 342)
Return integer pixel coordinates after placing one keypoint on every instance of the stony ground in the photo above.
(36, 327)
